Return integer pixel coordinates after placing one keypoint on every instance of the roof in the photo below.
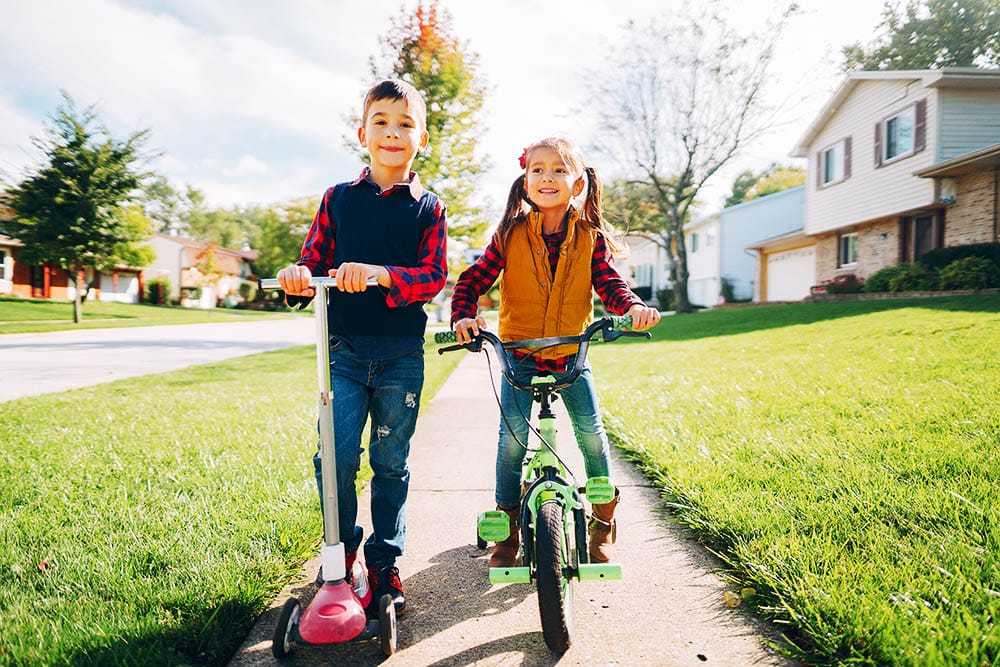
(977, 160)
(794, 239)
(248, 255)
(948, 77)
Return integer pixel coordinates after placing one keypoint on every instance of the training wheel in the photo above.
(283, 642)
(387, 624)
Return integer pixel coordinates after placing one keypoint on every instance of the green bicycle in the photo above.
(553, 516)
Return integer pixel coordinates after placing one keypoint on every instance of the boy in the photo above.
(385, 225)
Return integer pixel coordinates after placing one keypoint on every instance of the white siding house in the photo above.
(865, 205)
(718, 244)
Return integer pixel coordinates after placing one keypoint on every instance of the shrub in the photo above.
(248, 290)
(847, 283)
(665, 299)
(158, 291)
(905, 277)
(969, 273)
(942, 257)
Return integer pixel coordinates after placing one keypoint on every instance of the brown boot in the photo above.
(603, 530)
(505, 553)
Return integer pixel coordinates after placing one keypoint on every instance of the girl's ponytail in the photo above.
(593, 206)
(513, 213)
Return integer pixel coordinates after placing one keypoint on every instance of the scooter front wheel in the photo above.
(283, 640)
(387, 624)
(555, 590)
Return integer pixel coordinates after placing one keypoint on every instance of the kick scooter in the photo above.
(553, 516)
(337, 611)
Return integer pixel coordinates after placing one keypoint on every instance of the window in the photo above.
(835, 162)
(899, 135)
(847, 254)
(3, 265)
(694, 243)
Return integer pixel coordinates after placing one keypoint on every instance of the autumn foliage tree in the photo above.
(421, 49)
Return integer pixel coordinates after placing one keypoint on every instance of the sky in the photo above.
(247, 100)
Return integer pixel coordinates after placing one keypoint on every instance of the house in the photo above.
(122, 284)
(717, 249)
(717, 245)
(900, 163)
(200, 274)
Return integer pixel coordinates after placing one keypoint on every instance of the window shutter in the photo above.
(847, 158)
(819, 169)
(920, 126)
(878, 144)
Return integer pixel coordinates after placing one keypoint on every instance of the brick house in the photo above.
(900, 163)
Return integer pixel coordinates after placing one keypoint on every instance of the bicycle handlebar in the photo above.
(611, 328)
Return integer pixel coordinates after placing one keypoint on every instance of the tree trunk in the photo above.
(78, 298)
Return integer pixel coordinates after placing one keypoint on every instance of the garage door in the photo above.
(790, 274)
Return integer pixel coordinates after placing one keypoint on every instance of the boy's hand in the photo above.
(467, 328)
(643, 317)
(294, 280)
(353, 276)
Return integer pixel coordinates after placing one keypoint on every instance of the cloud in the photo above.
(247, 166)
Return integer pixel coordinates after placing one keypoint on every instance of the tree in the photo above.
(680, 100)
(931, 34)
(278, 232)
(73, 210)
(749, 185)
(420, 49)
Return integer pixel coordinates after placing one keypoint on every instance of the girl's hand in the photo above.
(643, 317)
(467, 328)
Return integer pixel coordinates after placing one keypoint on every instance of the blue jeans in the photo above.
(580, 399)
(388, 391)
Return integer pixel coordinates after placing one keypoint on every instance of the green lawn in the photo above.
(36, 315)
(842, 459)
(150, 521)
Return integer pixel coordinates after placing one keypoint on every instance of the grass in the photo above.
(841, 458)
(37, 315)
(150, 521)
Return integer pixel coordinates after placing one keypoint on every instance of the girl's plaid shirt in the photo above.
(479, 277)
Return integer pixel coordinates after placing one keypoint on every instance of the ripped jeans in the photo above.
(388, 391)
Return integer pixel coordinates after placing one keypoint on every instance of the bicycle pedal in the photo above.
(493, 526)
(600, 490)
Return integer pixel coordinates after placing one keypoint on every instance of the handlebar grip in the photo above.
(443, 337)
(621, 322)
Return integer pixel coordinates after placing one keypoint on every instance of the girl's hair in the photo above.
(519, 205)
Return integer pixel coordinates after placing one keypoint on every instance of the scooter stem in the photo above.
(333, 551)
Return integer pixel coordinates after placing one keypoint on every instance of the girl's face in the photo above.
(549, 182)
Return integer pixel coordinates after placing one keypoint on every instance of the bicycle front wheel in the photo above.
(555, 590)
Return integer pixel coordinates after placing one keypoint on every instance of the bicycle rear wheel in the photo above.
(555, 590)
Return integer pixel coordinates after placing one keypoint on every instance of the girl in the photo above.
(552, 255)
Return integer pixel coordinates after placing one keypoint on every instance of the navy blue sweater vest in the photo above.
(382, 230)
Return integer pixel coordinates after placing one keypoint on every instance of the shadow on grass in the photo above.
(206, 636)
(744, 319)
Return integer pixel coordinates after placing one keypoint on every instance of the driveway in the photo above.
(40, 363)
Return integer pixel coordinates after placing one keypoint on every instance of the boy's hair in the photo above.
(519, 205)
(394, 89)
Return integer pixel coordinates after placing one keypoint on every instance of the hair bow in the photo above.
(523, 159)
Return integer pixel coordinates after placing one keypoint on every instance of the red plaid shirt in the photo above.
(476, 280)
(409, 284)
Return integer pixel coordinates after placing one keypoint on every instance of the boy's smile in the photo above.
(393, 134)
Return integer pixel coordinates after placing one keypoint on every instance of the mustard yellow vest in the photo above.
(533, 302)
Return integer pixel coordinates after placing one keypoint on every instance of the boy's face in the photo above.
(392, 134)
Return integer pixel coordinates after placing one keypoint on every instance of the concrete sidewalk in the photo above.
(667, 610)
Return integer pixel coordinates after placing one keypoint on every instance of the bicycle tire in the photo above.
(555, 591)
